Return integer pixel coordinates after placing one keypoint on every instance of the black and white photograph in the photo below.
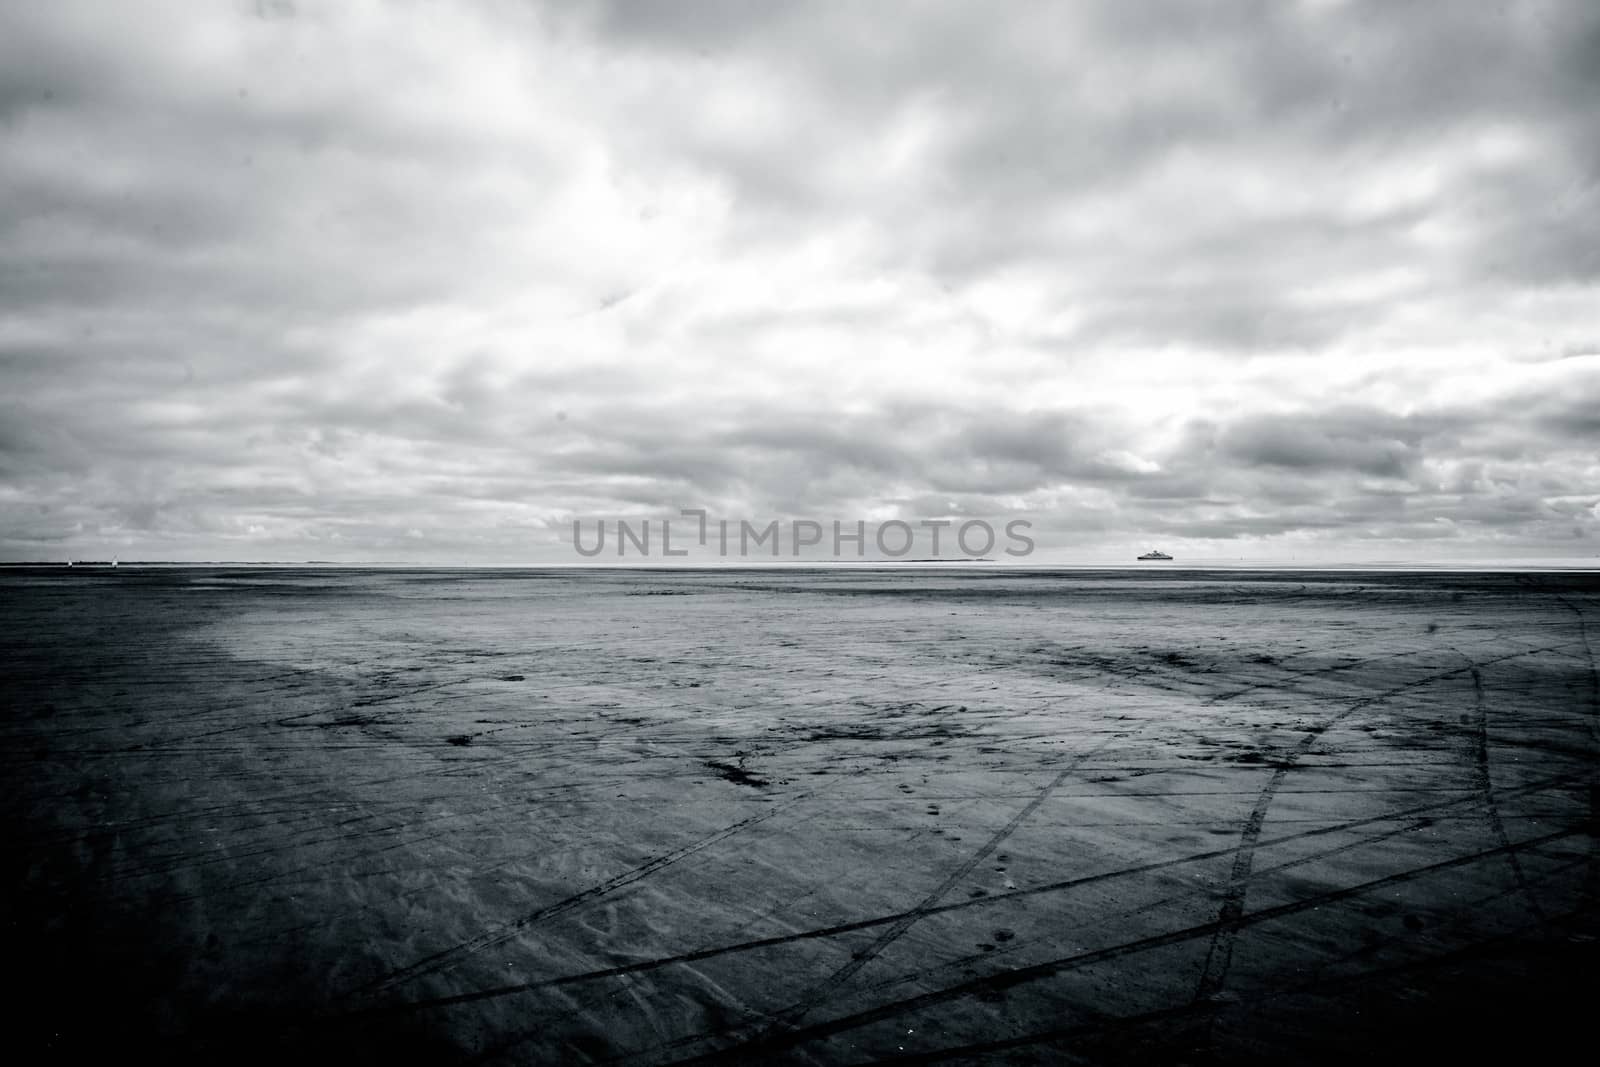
(800, 532)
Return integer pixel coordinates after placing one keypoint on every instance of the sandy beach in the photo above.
(807, 816)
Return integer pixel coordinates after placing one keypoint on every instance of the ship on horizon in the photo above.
(1155, 553)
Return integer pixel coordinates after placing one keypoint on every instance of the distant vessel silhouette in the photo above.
(1155, 554)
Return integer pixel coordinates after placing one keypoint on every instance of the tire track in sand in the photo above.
(1485, 782)
(1593, 718)
(825, 989)
(1421, 813)
(1219, 953)
(1591, 884)
(449, 957)
(748, 1052)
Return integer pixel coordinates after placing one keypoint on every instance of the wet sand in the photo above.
(799, 816)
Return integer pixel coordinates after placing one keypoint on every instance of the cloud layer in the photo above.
(417, 281)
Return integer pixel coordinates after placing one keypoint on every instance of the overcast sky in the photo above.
(427, 280)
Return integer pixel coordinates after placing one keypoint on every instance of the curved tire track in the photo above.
(1485, 783)
(1219, 954)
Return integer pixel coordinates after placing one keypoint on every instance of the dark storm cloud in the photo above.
(1376, 443)
(346, 279)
